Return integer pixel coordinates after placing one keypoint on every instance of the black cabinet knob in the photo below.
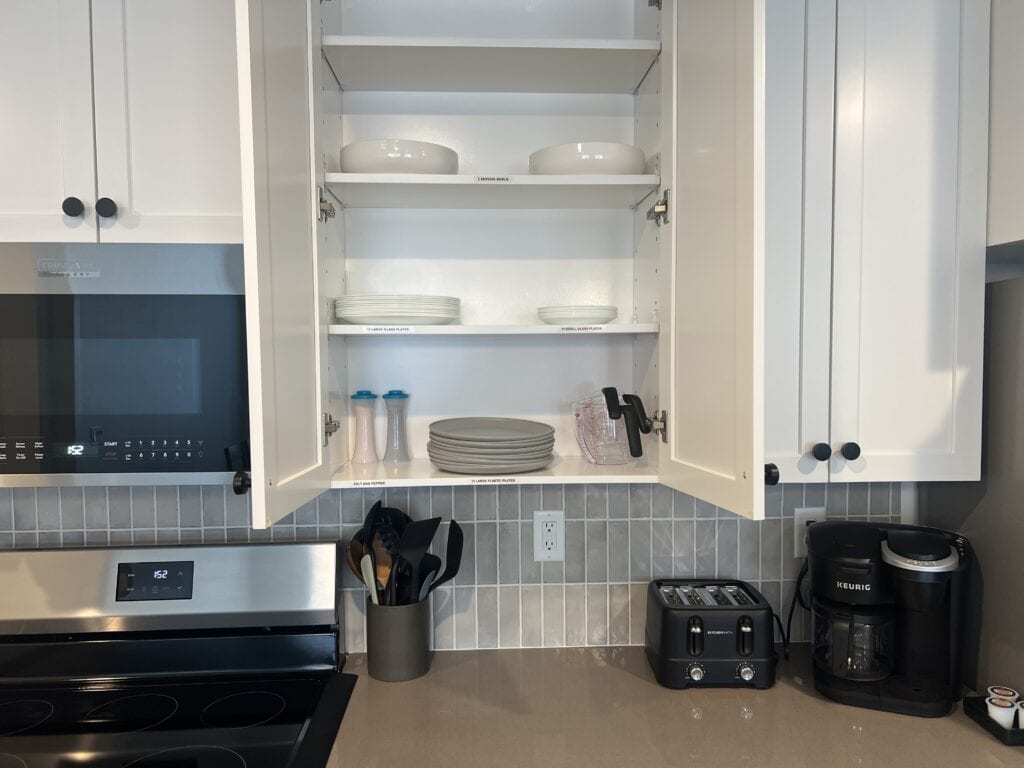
(106, 207)
(241, 483)
(771, 474)
(822, 451)
(72, 207)
(850, 451)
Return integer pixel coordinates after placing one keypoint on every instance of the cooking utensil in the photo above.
(453, 555)
(369, 579)
(425, 586)
(412, 547)
(353, 554)
(430, 566)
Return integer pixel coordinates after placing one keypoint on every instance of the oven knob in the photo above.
(696, 672)
(746, 672)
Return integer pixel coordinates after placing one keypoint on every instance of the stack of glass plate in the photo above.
(490, 446)
(588, 314)
(396, 309)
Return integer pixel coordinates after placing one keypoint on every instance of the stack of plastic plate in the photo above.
(396, 309)
(490, 446)
(590, 314)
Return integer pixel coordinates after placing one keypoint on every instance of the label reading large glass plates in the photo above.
(170, 580)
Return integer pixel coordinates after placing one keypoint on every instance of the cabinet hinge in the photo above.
(326, 206)
(330, 427)
(658, 213)
(659, 424)
(654, 3)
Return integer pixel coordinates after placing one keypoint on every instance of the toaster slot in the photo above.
(690, 596)
(739, 596)
(716, 596)
(671, 596)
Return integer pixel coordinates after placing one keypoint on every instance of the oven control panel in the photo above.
(170, 580)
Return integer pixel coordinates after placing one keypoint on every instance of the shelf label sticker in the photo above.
(492, 179)
(582, 328)
(389, 329)
(368, 483)
(494, 481)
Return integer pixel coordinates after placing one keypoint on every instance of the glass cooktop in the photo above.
(251, 723)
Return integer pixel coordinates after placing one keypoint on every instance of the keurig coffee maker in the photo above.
(887, 607)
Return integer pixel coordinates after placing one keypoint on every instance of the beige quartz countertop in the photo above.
(598, 707)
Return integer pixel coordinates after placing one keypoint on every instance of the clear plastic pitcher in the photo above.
(602, 439)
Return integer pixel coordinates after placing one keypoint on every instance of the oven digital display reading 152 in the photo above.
(155, 581)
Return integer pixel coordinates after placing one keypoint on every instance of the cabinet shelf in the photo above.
(344, 329)
(489, 65)
(422, 190)
(567, 470)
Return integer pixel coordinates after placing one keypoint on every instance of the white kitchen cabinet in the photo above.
(505, 242)
(893, 233)
(46, 133)
(1006, 152)
(131, 108)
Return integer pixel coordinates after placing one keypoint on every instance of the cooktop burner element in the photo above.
(243, 710)
(222, 757)
(23, 715)
(130, 714)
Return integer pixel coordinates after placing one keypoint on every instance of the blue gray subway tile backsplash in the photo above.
(617, 538)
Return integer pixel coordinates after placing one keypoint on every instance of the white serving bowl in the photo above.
(398, 156)
(588, 157)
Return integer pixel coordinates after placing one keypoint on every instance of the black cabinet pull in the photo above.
(822, 452)
(72, 207)
(850, 451)
(106, 207)
(241, 483)
(771, 474)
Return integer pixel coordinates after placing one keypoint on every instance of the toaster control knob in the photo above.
(746, 672)
(696, 672)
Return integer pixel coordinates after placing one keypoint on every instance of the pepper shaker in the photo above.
(397, 450)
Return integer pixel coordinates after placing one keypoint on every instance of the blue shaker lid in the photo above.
(364, 394)
(396, 394)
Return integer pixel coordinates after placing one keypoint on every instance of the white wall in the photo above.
(1006, 127)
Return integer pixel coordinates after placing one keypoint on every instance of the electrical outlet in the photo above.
(549, 536)
(802, 517)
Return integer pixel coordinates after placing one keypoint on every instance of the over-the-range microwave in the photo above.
(122, 364)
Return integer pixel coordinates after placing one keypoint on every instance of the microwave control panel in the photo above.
(154, 454)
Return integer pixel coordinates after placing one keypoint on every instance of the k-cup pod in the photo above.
(1003, 692)
(1001, 710)
(1020, 714)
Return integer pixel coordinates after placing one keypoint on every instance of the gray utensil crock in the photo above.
(398, 641)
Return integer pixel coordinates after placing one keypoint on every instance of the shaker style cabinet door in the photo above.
(799, 97)
(286, 320)
(47, 176)
(166, 96)
(909, 260)
(712, 362)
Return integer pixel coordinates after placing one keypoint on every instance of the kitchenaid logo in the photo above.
(853, 587)
(56, 268)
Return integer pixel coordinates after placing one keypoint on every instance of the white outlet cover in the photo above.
(549, 536)
(802, 517)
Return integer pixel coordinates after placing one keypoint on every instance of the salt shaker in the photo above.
(365, 404)
(397, 449)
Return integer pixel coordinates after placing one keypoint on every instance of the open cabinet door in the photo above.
(285, 321)
(712, 358)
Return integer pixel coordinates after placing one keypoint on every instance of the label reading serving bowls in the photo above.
(492, 179)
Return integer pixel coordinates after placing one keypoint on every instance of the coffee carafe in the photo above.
(887, 604)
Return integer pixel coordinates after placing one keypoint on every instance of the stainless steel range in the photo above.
(206, 657)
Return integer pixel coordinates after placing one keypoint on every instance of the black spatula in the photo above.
(412, 546)
(453, 557)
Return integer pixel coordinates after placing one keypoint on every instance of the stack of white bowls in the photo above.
(397, 309)
(589, 314)
(490, 446)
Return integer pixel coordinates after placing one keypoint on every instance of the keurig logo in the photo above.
(853, 587)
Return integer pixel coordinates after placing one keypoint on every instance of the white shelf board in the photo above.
(569, 470)
(488, 65)
(345, 329)
(428, 190)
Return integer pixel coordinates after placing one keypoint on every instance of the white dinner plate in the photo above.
(398, 319)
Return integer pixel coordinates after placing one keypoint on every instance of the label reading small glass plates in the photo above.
(582, 328)
(389, 329)
(492, 179)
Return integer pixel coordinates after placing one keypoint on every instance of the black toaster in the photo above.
(708, 632)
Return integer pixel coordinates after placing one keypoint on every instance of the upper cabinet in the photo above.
(882, 383)
(122, 123)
